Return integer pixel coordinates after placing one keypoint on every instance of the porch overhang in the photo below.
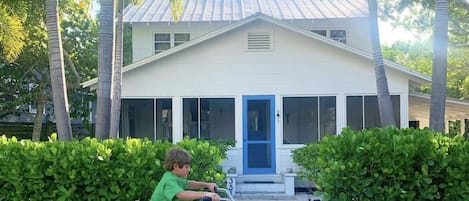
(419, 109)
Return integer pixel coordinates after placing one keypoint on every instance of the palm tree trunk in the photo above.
(117, 76)
(105, 69)
(439, 67)
(386, 112)
(37, 128)
(57, 73)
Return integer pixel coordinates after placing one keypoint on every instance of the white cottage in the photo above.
(272, 75)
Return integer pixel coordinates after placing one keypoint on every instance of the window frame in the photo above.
(340, 39)
(201, 116)
(328, 33)
(319, 126)
(155, 102)
(172, 40)
(155, 51)
(176, 43)
(319, 32)
(363, 109)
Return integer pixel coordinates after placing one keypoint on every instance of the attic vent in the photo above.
(259, 41)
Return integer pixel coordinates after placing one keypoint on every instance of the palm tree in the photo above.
(386, 112)
(176, 9)
(105, 68)
(439, 66)
(117, 75)
(57, 73)
(12, 33)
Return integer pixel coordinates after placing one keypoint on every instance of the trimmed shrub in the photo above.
(387, 164)
(206, 159)
(89, 169)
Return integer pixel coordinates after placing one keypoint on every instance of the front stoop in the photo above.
(272, 186)
(276, 197)
(264, 196)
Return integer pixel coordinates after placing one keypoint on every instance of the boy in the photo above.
(174, 182)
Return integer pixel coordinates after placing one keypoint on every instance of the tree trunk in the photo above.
(386, 111)
(37, 128)
(117, 76)
(105, 69)
(439, 66)
(57, 72)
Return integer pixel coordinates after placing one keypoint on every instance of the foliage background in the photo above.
(89, 169)
(388, 164)
(417, 16)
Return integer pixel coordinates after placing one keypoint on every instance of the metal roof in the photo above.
(234, 10)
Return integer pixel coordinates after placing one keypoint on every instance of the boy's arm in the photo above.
(197, 185)
(194, 195)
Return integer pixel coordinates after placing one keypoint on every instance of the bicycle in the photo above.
(224, 194)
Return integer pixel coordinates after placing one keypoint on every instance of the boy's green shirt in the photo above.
(169, 185)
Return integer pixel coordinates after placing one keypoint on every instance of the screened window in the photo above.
(150, 118)
(180, 38)
(308, 119)
(363, 111)
(164, 119)
(162, 42)
(320, 32)
(339, 36)
(209, 118)
(165, 41)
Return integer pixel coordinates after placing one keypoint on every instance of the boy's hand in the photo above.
(211, 186)
(213, 196)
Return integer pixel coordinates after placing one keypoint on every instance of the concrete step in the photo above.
(281, 184)
(276, 197)
(263, 196)
(260, 188)
(259, 178)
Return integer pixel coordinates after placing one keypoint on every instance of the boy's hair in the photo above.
(177, 156)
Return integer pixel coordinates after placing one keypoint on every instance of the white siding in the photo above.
(143, 44)
(297, 65)
(142, 34)
(221, 66)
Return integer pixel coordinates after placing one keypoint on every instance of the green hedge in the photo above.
(24, 130)
(89, 169)
(388, 164)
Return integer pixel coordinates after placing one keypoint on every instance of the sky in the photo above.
(388, 34)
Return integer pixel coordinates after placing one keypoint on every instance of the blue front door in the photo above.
(258, 135)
